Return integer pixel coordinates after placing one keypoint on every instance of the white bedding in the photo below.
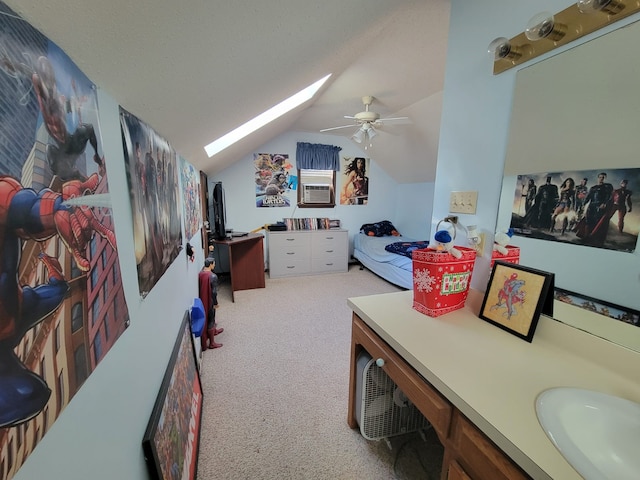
(393, 267)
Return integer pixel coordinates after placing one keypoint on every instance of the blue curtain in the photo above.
(315, 156)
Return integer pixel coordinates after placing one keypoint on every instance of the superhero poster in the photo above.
(274, 186)
(594, 208)
(62, 299)
(355, 181)
(172, 439)
(191, 204)
(152, 177)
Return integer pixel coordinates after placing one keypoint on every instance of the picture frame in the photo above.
(515, 298)
(172, 439)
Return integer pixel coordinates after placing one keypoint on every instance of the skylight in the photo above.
(261, 120)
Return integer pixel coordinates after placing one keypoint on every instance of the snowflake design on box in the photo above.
(423, 280)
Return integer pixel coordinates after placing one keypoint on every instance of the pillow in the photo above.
(379, 229)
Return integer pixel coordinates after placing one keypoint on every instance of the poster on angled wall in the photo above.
(62, 303)
(191, 204)
(152, 177)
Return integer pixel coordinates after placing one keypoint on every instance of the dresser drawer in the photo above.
(289, 266)
(285, 240)
(288, 255)
(330, 240)
(329, 263)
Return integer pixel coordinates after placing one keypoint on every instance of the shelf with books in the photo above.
(307, 223)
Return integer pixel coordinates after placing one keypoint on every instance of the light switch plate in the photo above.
(463, 202)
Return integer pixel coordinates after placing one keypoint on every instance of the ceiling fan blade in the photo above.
(392, 118)
(350, 117)
(336, 128)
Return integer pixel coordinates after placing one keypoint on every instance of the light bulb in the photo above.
(610, 7)
(543, 25)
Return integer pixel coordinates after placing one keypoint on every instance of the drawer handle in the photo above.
(329, 251)
(329, 238)
(328, 264)
(380, 362)
(291, 253)
(290, 267)
(290, 239)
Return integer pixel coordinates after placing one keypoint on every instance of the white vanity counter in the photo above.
(494, 377)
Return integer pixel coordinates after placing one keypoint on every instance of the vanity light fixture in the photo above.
(610, 7)
(501, 48)
(544, 25)
(546, 31)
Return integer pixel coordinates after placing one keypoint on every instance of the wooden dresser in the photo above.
(308, 252)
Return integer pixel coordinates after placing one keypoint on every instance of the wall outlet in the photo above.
(463, 202)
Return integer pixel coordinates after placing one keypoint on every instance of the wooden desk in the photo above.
(246, 261)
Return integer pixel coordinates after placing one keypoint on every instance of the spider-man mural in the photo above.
(29, 215)
(48, 110)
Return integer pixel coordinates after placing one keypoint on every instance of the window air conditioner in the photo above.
(316, 193)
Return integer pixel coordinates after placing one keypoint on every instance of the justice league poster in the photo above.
(152, 176)
(595, 208)
(62, 299)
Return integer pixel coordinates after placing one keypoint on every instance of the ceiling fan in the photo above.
(365, 121)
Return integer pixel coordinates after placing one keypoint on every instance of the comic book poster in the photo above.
(152, 177)
(192, 206)
(63, 304)
(586, 207)
(355, 181)
(172, 439)
(274, 185)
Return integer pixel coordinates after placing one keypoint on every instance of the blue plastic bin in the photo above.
(197, 317)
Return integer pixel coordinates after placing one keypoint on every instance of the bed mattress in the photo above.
(394, 268)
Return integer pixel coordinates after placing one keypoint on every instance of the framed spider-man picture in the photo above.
(516, 296)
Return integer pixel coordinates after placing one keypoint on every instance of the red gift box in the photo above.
(512, 256)
(440, 280)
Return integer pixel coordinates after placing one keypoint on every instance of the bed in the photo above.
(371, 251)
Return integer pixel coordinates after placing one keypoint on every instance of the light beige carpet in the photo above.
(276, 393)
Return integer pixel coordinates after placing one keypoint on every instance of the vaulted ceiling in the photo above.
(195, 70)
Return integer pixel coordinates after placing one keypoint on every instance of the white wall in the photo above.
(414, 202)
(411, 209)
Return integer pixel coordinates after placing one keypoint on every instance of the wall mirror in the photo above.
(576, 111)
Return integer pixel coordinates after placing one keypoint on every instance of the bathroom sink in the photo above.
(597, 433)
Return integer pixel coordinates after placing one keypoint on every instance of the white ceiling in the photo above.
(196, 69)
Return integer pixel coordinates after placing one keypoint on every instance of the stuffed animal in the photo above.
(501, 241)
(444, 243)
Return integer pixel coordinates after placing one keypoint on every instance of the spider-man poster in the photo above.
(62, 304)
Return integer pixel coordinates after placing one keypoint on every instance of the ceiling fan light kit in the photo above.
(365, 121)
